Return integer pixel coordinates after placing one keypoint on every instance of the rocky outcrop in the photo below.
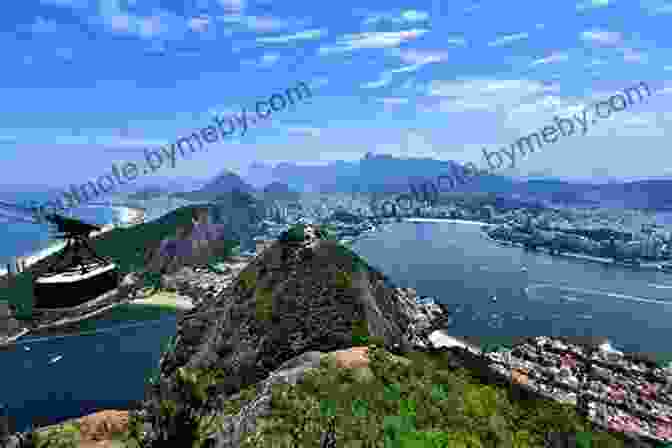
(193, 244)
(298, 297)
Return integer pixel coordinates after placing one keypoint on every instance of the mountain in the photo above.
(279, 191)
(220, 186)
(226, 182)
(194, 242)
(310, 346)
(304, 293)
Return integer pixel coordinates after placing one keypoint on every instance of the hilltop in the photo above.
(302, 299)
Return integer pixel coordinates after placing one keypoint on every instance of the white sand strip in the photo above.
(166, 298)
(440, 338)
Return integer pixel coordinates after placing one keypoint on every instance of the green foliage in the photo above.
(343, 280)
(264, 305)
(294, 234)
(66, 435)
(248, 279)
(360, 332)
(409, 406)
(124, 246)
(180, 413)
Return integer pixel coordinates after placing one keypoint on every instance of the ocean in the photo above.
(21, 239)
(452, 262)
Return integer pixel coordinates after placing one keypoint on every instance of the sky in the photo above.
(88, 83)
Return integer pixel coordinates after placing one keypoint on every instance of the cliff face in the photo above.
(297, 297)
(195, 243)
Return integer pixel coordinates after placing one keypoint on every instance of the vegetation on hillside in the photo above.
(125, 246)
(293, 234)
(408, 405)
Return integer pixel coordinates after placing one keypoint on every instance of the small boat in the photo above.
(493, 298)
(523, 269)
(26, 348)
(426, 301)
(55, 359)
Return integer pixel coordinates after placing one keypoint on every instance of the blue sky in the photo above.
(90, 82)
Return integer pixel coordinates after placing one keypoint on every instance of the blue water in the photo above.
(460, 267)
(19, 239)
(454, 263)
(105, 370)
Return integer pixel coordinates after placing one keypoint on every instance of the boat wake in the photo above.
(596, 292)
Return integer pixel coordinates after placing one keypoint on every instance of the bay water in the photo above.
(454, 263)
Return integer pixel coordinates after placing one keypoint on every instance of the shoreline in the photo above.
(135, 216)
(449, 220)
(649, 266)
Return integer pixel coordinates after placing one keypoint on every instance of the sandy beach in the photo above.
(58, 245)
(166, 299)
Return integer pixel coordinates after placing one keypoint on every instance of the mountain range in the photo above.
(382, 173)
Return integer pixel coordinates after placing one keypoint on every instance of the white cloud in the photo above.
(44, 26)
(303, 35)
(602, 37)
(388, 39)
(198, 24)
(233, 5)
(263, 24)
(554, 57)
(630, 55)
(419, 57)
(484, 94)
(668, 68)
(392, 100)
(382, 82)
(459, 41)
(414, 16)
(163, 23)
(266, 61)
(410, 16)
(508, 39)
(539, 26)
(590, 4)
(311, 132)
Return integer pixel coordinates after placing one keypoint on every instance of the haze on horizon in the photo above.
(93, 82)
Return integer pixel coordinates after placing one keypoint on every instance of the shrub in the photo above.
(178, 417)
(343, 280)
(264, 305)
(409, 407)
(248, 279)
(294, 234)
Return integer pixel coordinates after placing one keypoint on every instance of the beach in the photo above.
(130, 217)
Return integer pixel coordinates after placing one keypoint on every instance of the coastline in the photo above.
(450, 220)
(134, 217)
(650, 266)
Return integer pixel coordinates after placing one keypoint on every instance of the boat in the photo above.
(55, 359)
(426, 300)
(523, 269)
(78, 274)
(493, 298)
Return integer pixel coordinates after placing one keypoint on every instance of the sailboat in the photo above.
(78, 274)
